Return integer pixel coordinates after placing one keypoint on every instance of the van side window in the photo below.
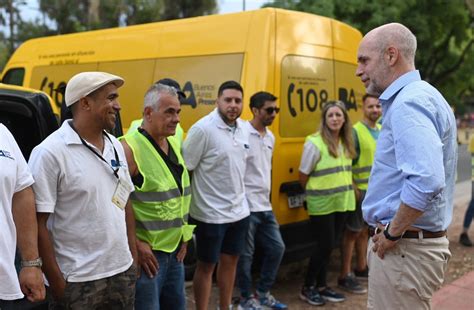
(14, 76)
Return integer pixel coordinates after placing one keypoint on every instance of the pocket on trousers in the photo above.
(424, 277)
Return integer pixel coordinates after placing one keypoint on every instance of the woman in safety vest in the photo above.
(326, 174)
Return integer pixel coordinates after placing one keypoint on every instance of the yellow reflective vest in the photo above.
(329, 188)
(361, 170)
(161, 209)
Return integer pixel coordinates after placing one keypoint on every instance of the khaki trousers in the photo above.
(408, 275)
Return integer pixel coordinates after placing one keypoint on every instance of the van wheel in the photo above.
(190, 260)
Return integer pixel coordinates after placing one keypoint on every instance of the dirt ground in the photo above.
(290, 276)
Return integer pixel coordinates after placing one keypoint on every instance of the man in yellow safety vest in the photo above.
(160, 201)
(366, 133)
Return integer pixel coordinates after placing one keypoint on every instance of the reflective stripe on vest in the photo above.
(161, 224)
(159, 196)
(330, 171)
(161, 211)
(367, 143)
(329, 188)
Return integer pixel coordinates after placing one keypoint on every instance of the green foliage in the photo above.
(74, 16)
(4, 53)
(444, 30)
(70, 16)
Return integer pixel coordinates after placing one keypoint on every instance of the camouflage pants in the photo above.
(112, 293)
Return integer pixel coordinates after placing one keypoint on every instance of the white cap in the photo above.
(84, 83)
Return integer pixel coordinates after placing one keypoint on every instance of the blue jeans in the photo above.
(166, 289)
(469, 212)
(264, 231)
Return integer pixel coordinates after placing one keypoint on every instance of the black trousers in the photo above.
(326, 230)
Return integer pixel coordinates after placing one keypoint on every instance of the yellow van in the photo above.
(302, 58)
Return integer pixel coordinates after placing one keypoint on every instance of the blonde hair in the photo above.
(345, 134)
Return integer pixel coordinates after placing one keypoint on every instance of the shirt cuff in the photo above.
(416, 198)
(45, 208)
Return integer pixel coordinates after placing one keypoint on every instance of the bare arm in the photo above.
(303, 179)
(24, 216)
(50, 266)
(132, 165)
(129, 216)
(130, 221)
(141, 251)
(403, 219)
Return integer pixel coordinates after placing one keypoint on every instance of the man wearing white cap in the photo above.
(82, 189)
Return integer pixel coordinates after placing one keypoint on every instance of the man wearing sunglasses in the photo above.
(263, 227)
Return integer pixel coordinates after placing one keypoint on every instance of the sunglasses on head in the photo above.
(272, 109)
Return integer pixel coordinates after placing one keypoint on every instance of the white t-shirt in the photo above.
(310, 157)
(217, 156)
(259, 169)
(88, 231)
(14, 177)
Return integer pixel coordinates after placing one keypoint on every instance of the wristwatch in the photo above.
(32, 263)
(390, 237)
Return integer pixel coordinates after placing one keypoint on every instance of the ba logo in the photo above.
(190, 97)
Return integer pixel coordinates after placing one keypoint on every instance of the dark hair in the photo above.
(175, 84)
(368, 96)
(229, 85)
(258, 99)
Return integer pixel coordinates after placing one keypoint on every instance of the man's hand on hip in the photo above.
(382, 244)
(147, 259)
(182, 252)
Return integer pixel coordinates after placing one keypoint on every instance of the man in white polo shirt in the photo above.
(216, 150)
(17, 218)
(264, 230)
(82, 187)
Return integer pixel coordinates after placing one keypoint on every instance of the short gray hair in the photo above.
(401, 37)
(154, 94)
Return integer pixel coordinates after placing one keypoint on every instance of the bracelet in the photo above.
(390, 237)
(32, 263)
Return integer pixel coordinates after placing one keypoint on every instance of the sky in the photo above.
(231, 6)
(31, 10)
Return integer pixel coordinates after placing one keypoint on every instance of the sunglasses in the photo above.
(272, 109)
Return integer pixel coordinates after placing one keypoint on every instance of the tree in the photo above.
(444, 31)
(10, 17)
(72, 15)
(174, 9)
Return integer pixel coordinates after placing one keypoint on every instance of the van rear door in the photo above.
(28, 115)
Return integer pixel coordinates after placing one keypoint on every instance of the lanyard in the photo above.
(117, 161)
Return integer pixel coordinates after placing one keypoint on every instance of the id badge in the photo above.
(121, 195)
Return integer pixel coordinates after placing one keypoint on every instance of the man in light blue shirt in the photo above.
(410, 196)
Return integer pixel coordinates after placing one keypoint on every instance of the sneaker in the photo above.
(311, 296)
(362, 275)
(250, 303)
(464, 240)
(267, 301)
(350, 284)
(329, 294)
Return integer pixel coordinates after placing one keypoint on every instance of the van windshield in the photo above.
(14, 76)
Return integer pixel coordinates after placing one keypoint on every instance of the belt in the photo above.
(412, 234)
